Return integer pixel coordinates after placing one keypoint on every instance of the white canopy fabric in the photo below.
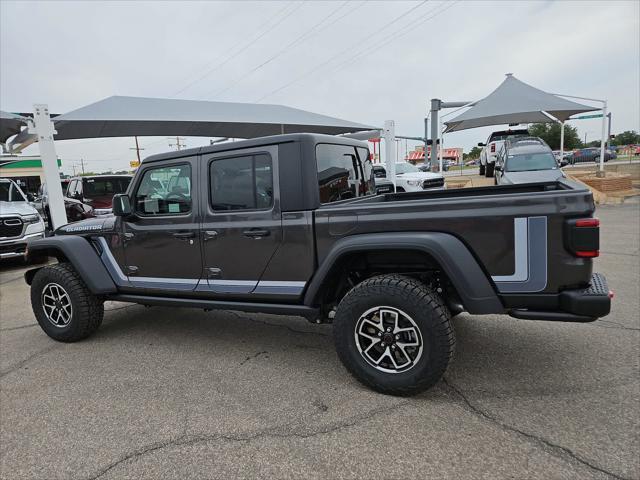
(516, 102)
(10, 124)
(128, 116)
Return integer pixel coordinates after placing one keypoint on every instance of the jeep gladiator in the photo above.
(291, 225)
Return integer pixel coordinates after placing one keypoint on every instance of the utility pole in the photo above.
(137, 148)
(82, 163)
(179, 146)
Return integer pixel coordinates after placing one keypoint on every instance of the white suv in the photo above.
(19, 221)
(410, 178)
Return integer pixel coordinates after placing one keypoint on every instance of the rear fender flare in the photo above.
(475, 289)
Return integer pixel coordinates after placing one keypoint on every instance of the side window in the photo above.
(164, 191)
(72, 188)
(241, 183)
(343, 172)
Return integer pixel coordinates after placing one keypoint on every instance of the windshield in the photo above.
(527, 162)
(405, 167)
(9, 193)
(104, 186)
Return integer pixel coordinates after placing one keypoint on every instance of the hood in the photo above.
(88, 226)
(532, 176)
(419, 176)
(16, 208)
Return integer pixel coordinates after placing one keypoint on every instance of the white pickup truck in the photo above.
(19, 220)
(490, 149)
(410, 178)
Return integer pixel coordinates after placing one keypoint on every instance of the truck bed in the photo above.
(483, 218)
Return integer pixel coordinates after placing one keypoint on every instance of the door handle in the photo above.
(210, 235)
(184, 235)
(256, 233)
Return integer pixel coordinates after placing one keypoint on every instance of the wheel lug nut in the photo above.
(393, 347)
(379, 334)
(397, 337)
(388, 329)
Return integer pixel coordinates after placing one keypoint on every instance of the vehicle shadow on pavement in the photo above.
(494, 355)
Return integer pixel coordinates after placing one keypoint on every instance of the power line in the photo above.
(306, 35)
(328, 61)
(242, 49)
(398, 33)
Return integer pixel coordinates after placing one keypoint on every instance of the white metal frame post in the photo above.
(603, 143)
(43, 128)
(601, 172)
(561, 141)
(390, 150)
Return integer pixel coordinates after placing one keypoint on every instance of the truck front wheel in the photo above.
(482, 169)
(394, 334)
(63, 305)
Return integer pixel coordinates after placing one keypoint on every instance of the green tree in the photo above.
(550, 133)
(629, 137)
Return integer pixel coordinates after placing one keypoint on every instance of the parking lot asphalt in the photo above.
(171, 393)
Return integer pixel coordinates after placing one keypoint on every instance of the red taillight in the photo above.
(493, 147)
(588, 253)
(588, 222)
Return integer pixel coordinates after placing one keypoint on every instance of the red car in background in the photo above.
(92, 196)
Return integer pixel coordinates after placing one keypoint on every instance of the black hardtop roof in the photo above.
(515, 131)
(256, 142)
(106, 175)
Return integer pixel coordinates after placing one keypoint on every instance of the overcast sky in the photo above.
(357, 60)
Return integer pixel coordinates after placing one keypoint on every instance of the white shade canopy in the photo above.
(516, 102)
(128, 116)
(10, 124)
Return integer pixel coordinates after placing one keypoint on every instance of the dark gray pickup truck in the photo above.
(290, 225)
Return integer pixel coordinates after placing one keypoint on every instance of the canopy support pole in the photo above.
(390, 150)
(603, 142)
(43, 128)
(561, 141)
(600, 172)
(435, 108)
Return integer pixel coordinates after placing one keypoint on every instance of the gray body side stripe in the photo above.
(530, 273)
(182, 284)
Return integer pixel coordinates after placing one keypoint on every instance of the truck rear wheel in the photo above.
(63, 305)
(489, 170)
(482, 169)
(394, 335)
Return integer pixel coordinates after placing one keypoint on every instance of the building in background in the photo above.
(453, 155)
(26, 171)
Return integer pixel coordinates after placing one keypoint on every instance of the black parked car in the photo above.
(591, 154)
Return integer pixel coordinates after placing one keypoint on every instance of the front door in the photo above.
(241, 226)
(162, 237)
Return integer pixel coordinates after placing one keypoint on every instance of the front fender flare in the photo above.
(475, 289)
(79, 252)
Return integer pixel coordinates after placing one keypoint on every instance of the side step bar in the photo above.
(273, 308)
(550, 316)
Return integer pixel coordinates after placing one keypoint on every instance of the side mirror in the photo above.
(498, 168)
(482, 144)
(121, 205)
(31, 197)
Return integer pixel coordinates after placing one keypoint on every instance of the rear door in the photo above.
(241, 219)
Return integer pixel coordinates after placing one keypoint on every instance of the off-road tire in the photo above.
(427, 310)
(87, 308)
(490, 170)
(482, 169)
